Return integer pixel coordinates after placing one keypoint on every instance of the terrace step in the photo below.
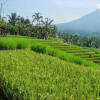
(55, 45)
(66, 48)
(91, 59)
(85, 56)
(80, 53)
(98, 58)
(96, 61)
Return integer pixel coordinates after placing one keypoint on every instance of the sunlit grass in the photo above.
(27, 75)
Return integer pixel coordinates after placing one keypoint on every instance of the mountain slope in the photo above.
(89, 23)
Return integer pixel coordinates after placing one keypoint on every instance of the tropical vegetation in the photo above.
(39, 27)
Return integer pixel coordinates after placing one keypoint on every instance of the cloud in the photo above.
(98, 6)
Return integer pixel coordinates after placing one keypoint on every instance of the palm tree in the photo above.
(3, 28)
(37, 18)
(48, 27)
(47, 22)
(28, 26)
(13, 18)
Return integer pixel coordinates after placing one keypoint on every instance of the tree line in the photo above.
(87, 41)
(39, 27)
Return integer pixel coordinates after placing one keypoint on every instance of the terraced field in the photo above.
(27, 75)
(86, 53)
(38, 45)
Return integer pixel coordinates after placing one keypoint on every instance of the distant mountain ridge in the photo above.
(88, 23)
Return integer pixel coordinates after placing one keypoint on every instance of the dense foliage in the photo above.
(3, 28)
(39, 27)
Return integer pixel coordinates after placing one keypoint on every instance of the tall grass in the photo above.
(26, 75)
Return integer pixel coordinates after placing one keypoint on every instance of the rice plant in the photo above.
(26, 75)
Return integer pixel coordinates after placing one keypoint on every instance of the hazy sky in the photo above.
(59, 10)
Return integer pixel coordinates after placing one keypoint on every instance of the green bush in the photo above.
(22, 44)
(7, 44)
(10, 43)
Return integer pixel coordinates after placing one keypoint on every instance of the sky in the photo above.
(61, 11)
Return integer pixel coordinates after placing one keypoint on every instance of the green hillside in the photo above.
(39, 45)
(27, 75)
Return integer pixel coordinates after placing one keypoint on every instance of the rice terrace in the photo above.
(41, 59)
